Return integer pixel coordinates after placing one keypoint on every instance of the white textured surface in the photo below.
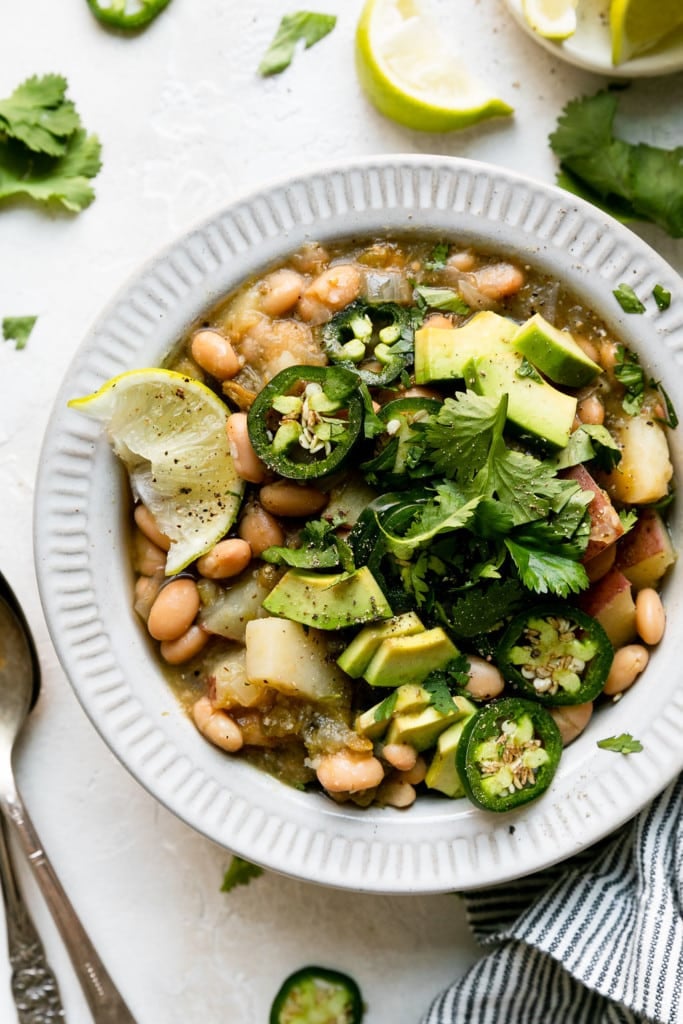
(187, 126)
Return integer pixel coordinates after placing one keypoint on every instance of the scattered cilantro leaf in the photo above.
(661, 296)
(482, 608)
(627, 299)
(644, 182)
(671, 418)
(442, 298)
(443, 683)
(319, 547)
(372, 424)
(240, 872)
(437, 257)
(39, 116)
(386, 709)
(18, 329)
(525, 369)
(628, 518)
(622, 744)
(546, 572)
(63, 179)
(629, 372)
(308, 27)
(591, 442)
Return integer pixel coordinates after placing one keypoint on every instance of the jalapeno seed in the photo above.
(629, 662)
(228, 558)
(174, 610)
(650, 618)
(215, 354)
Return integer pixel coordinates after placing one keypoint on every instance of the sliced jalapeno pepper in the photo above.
(375, 341)
(320, 995)
(556, 654)
(397, 447)
(508, 754)
(115, 15)
(306, 420)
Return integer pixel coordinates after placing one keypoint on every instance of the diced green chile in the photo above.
(389, 467)
(556, 654)
(508, 754)
(318, 994)
(310, 450)
(364, 332)
(116, 16)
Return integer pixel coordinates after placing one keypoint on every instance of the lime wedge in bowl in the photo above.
(552, 19)
(411, 75)
(636, 26)
(169, 431)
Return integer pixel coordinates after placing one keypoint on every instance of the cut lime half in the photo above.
(411, 75)
(169, 430)
(636, 26)
(552, 19)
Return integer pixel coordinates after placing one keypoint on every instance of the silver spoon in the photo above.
(33, 985)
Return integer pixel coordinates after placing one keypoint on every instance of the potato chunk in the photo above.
(293, 660)
(645, 469)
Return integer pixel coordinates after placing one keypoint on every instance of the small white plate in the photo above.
(590, 47)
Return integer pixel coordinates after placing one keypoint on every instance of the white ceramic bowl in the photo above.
(86, 586)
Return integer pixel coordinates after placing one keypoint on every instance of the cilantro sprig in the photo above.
(240, 872)
(308, 27)
(622, 744)
(18, 329)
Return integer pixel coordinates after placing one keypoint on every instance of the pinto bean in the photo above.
(227, 558)
(284, 498)
(260, 529)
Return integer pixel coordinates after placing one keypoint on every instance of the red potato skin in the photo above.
(646, 552)
(606, 526)
(610, 601)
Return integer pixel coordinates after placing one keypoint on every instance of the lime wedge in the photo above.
(638, 25)
(552, 19)
(169, 431)
(411, 75)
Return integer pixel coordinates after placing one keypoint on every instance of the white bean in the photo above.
(214, 353)
(216, 725)
(174, 609)
(629, 662)
(347, 771)
(650, 617)
(485, 680)
(227, 558)
(247, 462)
(572, 719)
(284, 498)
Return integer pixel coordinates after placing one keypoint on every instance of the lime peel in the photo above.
(410, 75)
(637, 26)
(551, 19)
(169, 431)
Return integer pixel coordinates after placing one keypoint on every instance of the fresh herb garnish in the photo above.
(629, 372)
(441, 298)
(661, 296)
(640, 181)
(18, 329)
(671, 417)
(627, 299)
(240, 872)
(591, 442)
(308, 27)
(319, 547)
(385, 710)
(623, 744)
(437, 257)
(443, 683)
(525, 369)
(44, 152)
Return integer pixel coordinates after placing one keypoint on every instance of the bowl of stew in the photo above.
(429, 645)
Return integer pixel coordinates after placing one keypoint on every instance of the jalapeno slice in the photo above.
(397, 451)
(306, 420)
(115, 15)
(375, 341)
(320, 995)
(556, 654)
(508, 754)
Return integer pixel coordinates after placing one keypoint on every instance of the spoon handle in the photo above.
(105, 1002)
(34, 986)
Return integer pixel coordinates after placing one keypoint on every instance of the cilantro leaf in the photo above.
(644, 182)
(63, 179)
(661, 296)
(437, 257)
(39, 116)
(18, 329)
(386, 709)
(622, 744)
(442, 298)
(240, 872)
(319, 548)
(443, 683)
(458, 439)
(671, 418)
(446, 512)
(629, 372)
(627, 299)
(482, 608)
(589, 442)
(307, 26)
(545, 572)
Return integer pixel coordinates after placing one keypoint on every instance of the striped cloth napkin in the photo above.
(595, 940)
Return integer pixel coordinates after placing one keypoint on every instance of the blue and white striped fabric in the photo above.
(596, 940)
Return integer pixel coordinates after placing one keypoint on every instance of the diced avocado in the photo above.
(407, 698)
(554, 353)
(409, 659)
(328, 601)
(356, 657)
(534, 406)
(421, 729)
(442, 353)
(442, 773)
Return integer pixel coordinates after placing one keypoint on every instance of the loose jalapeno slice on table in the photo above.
(320, 995)
(396, 449)
(556, 654)
(508, 754)
(378, 334)
(115, 14)
(306, 420)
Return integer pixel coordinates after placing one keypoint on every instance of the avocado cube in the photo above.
(409, 659)
(442, 773)
(356, 657)
(534, 406)
(409, 697)
(442, 353)
(421, 729)
(328, 601)
(554, 353)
